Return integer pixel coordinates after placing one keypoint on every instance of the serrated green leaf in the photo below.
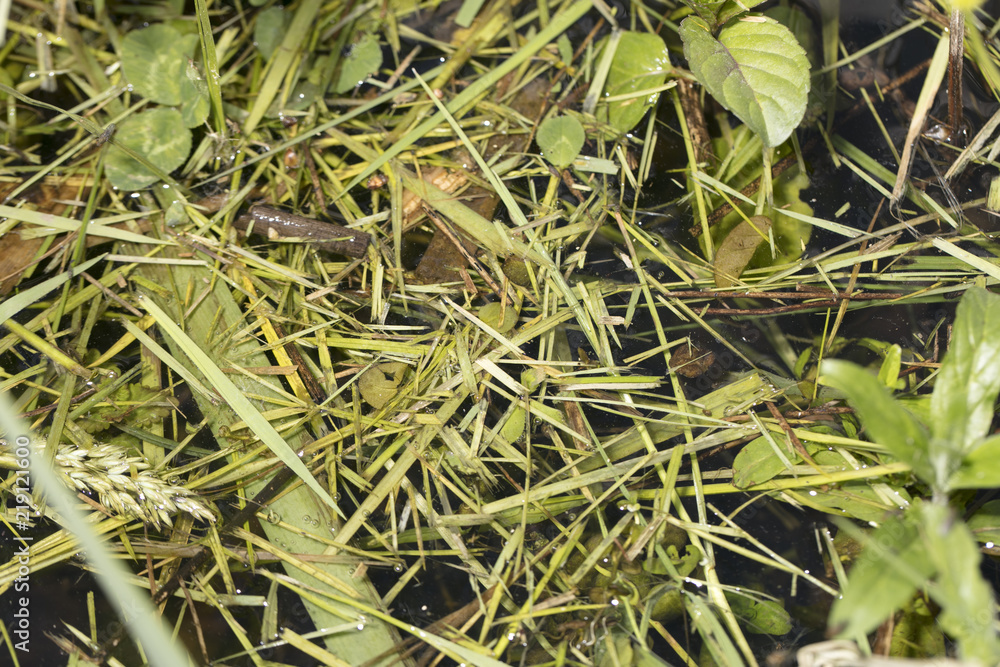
(738, 247)
(160, 136)
(965, 391)
(154, 61)
(560, 140)
(888, 422)
(756, 69)
(270, 28)
(640, 63)
(364, 59)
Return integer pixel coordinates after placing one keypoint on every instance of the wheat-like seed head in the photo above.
(106, 470)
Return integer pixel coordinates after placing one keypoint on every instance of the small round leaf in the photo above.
(158, 135)
(154, 61)
(560, 140)
(380, 383)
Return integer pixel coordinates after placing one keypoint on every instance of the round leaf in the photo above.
(380, 383)
(756, 69)
(154, 61)
(364, 59)
(560, 140)
(194, 96)
(269, 29)
(493, 311)
(158, 135)
(640, 63)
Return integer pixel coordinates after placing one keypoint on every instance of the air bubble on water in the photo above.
(397, 567)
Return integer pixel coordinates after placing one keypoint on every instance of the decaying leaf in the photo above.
(737, 249)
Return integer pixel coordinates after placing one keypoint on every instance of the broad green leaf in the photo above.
(640, 64)
(757, 463)
(560, 140)
(884, 577)
(158, 135)
(979, 469)
(965, 390)
(888, 422)
(364, 59)
(755, 69)
(154, 61)
(269, 29)
(380, 383)
(985, 523)
(966, 599)
(738, 247)
(760, 616)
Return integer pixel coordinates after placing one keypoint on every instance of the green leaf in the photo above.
(916, 633)
(738, 247)
(154, 61)
(760, 616)
(380, 383)
(965, 390)
(985, 523)
(269, 29)
(640, 63)
(756, 69)
(493, 311)
(966, 599)
(857, 500)
(194, 96)
(979, 470)
(888, 422)
(560, 140)
(757, 463)
(884, 577)
(718, 12)
(158, 135)
(364, 59)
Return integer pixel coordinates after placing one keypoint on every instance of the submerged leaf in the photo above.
(154, 61)
(560, 140)
(364, 59)
(158, 135)
(381, 382)
(640, 64)
(739, 246)
(756, 69)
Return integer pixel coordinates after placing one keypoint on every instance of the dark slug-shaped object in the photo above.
(274, 223)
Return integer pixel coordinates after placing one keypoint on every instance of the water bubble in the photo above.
(397, 567)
